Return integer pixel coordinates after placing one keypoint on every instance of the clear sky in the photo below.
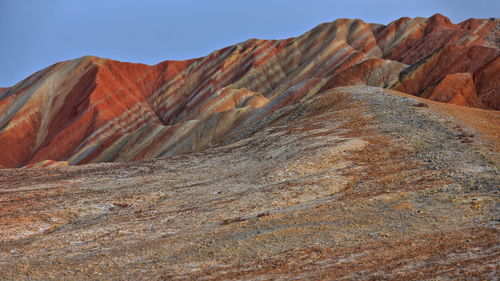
(37, 33)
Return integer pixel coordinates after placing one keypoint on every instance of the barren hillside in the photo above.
(357, 183)
(91, 110)
(329, 156)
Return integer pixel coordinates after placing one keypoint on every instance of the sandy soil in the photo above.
(359, 183)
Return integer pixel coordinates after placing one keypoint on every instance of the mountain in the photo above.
(353, 152)
(357, 183)
(99, 110)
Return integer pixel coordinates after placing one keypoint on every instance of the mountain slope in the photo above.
(356, 183)
(98, 110)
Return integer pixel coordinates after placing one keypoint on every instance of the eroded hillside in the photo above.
(92, 110)
(356, 183)
(355, 151)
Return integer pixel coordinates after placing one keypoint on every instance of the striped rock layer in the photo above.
(99, 110)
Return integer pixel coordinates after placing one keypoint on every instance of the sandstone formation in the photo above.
(353, 152)
(98, 110)
(356, 183)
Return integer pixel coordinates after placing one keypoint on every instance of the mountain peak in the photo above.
(99, 110)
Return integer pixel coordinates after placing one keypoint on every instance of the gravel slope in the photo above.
(356, 184)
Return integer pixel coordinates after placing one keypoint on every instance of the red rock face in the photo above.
(98, 110)
(457, 88)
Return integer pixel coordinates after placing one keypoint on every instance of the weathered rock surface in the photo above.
(356, 183)
(353, 152)
(91, 110)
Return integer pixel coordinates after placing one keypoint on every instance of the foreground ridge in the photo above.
(356, 183)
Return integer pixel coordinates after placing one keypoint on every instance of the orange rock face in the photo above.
(456, 88)
(98, 110)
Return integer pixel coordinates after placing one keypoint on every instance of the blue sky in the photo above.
(37, 33)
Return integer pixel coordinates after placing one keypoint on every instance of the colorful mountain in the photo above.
(92, 109)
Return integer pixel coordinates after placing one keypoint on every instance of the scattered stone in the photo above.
(265, 214)
(229, 221)
(121, 205)
(421, 104)
(108, 207)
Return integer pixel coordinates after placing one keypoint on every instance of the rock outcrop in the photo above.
(98, 110)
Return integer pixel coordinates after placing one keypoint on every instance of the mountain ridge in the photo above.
(319, 157)
(98, 110)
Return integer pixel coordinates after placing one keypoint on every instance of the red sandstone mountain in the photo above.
(98, 110)
(315, 164)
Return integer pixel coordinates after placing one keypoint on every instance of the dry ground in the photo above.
(357, 184)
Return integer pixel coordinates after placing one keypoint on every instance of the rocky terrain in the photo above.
(91, 110)
(353, 152)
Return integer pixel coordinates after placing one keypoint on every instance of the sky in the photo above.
(37, 33)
